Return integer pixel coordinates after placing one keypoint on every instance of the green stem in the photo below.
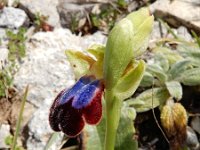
(113, 108)
(19, 119)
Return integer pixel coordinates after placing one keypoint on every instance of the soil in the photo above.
(8, 107)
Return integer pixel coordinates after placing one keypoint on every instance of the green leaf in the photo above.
(158, 72)
(191, 52)
(20, 117)
(162, 61)
(125, 132)
(196, 38)
(94, 137)
(122, 3)
(190, 77)
(143, 102)
(8, 140)
(79, 62)
(175, 89)
(95, 20)
(52, 140)
(178, 68)
(171, 55)
(128, 84)
(147, 80)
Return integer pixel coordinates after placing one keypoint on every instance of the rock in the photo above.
(153, 7)
(46, 8)
(159, 31)
(176, 13)
(196, 124)
(11, 2)
(183, 33)
(89, 1)
(12, 17)
(192, 140)
(29, 109)
(4, 132)
(3, 56)
(45, 68)
(71, 13)
(96, 38)
(39, 130)
(2, 33)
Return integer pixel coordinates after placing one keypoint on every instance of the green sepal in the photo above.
(79, 64)
(141, 37)
(98, 52)
(128, 83)
(89, 62)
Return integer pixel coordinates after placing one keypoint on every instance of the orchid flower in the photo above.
(77, 105)
(82, 103)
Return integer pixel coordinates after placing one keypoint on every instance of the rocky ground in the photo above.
(45, 67)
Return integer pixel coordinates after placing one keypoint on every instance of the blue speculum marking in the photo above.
(70, 93)
(85, 95)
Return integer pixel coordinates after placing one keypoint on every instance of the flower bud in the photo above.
(174, 121)
(124, 43)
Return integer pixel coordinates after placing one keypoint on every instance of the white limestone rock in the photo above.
(4, 132)
(46, 8)
(176, 12)
(39, 130)
(12, 17)
(3, 56)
